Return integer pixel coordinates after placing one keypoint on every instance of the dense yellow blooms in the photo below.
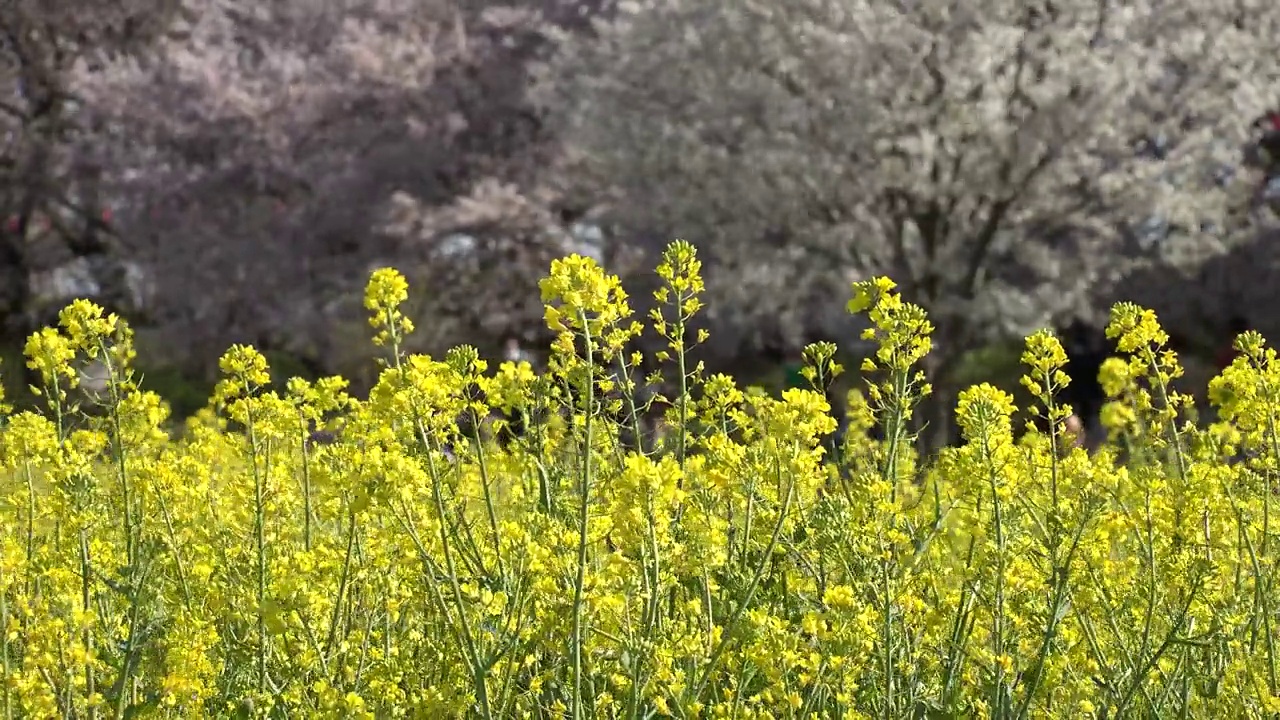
(742, 566)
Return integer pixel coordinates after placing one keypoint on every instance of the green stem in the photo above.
(1274, 437)
(486, 485)
(1054, 459)
(998, 640)
(756, 577)
(31, 516)
(343, 579)
(1139, 678)
(4, 648)
(177, 554)
(306, 490)
(477, 670)
(887, 628)
(895, 430)
(584, 516)
(121, 688)
(86, 578)
(260, 542)
(1059, 607)
(630, 396)
(120, 453)
(682, 444)
(1260, 602)
(461, 627)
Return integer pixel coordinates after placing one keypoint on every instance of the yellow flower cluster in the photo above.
(435, 561)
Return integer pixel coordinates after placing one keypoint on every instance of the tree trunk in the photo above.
(934, 416)
(15, 283)
(939, 411)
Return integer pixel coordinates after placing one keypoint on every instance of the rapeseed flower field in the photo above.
(430, 563)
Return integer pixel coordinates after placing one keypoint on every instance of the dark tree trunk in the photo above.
(934, 415)
(15, 282)
(15, 300)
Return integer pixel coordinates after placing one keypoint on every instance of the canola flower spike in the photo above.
(386, 291)
(723, 560)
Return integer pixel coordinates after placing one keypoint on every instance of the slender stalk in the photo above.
(477, 670)
(959, 632)
(429, 572)
(306, 489)
(120, 453)
(998, 639)
(86, 579)
(1261, 603)
(174, 548)
(260, 545)
(584, 516)
(754, 585)
(487, 486)
(343, 579)
(1061, 599)
(1054, 459)
(1138, 680)
(682, 443)
(5, 662)
(633, 412)
(461, 627)
(895, 429)
(31, 516)
(1274, 436)
(886, 618)
(121, 689)
(135, 577)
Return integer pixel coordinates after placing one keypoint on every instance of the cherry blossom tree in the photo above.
(1003, 161)
(258, 159)
(50, 202)
(300, 123)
